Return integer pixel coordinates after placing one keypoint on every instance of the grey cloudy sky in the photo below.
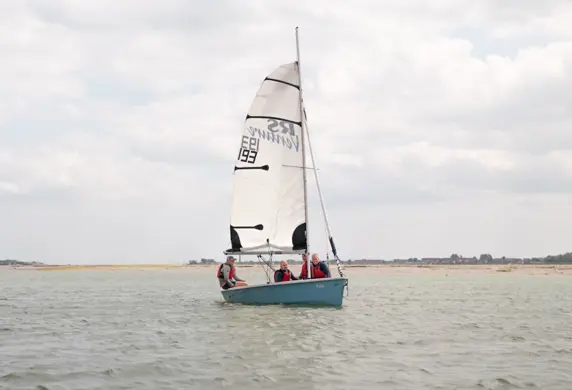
(439, 126)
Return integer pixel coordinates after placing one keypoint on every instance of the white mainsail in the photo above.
(268, 201)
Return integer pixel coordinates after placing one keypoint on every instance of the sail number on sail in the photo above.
(248, 149)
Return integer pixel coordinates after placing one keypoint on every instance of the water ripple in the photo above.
(169, 329)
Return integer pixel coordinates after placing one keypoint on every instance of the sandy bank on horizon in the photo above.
(530, 269)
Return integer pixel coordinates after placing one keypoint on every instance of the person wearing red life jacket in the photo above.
(318, 269)
(226, 275)
(283, 274)
(304, 271)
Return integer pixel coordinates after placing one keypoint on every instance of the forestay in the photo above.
(268, 186)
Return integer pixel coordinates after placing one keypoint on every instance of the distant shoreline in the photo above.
(351, 268)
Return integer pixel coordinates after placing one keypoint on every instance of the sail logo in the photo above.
(278, 132)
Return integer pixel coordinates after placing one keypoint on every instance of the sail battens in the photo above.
(271, 138)
(274, 118)
(257, 227)
(283, 82)
(263, 168)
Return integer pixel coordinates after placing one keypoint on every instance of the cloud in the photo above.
(438, 127)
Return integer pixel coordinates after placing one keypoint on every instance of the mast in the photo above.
(303, 152)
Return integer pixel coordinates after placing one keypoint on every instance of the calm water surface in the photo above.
(168, 329)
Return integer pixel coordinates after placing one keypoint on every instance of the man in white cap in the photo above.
(227, 276)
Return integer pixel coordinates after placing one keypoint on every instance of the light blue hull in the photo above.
(327, 292)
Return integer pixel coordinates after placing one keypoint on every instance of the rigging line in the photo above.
(324, 213)
(327, 242)
(268, 266)
(265, 270)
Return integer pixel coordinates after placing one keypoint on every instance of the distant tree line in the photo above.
(202, 261)
(565, 258)
(484, 258)
(18, 262)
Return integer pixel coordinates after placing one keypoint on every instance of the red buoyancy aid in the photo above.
(220, 275)
(304, 272)
(285, 275)
(316, 271)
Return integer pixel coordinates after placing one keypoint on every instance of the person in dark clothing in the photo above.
(283, 274)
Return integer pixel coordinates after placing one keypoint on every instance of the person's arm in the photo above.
(292, 276)
(237, 278)
(325, 270)
(277, 276)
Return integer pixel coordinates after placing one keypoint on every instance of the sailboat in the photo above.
(269, 213)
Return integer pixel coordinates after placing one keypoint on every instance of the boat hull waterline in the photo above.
(320, 292)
